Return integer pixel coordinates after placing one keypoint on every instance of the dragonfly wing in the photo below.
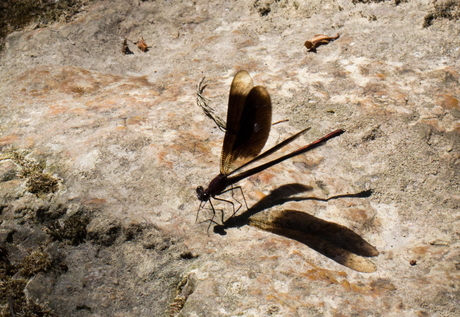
(253, 130)
(239, 90)
(241, 86)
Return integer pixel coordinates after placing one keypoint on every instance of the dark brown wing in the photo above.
(241, 86)
(252, 133)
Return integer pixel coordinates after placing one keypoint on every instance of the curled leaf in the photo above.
(318, 40)
(142, 45)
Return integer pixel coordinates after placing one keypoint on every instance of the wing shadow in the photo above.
(335, 241)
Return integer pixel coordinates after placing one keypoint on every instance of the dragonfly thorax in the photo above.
(215, 187)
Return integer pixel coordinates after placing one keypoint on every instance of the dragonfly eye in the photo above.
(201, 194)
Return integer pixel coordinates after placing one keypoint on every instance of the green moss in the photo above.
(11, 290)
(41, 184)
(13, 301)
(72, 230)
(28, 166)
(449, 10)
(38, 182)
(37, 261)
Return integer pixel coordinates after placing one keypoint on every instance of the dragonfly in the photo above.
(249, 117)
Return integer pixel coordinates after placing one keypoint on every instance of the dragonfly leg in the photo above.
(198, 211)
(244, 198)
(242, 194)
(228, 201)
(211, 220)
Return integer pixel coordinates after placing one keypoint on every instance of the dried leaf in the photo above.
(142, 45)
(318, 40)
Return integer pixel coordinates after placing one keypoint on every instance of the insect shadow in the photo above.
(332, 240)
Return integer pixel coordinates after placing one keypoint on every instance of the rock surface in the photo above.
(102, 152)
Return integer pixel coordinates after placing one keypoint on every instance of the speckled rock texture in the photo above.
(102, 153)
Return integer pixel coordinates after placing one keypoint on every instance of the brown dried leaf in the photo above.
(318, 40)
(142, 45)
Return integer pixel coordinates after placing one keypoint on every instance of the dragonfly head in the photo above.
(203, 195)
